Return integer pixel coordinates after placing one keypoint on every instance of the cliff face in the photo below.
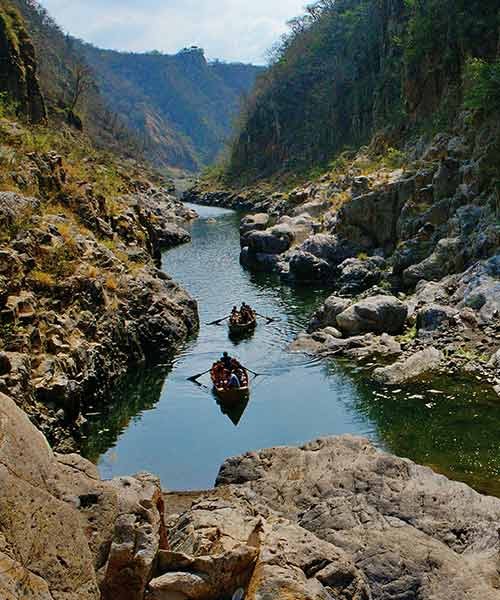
(354, 67)
(181, 107)
(18, 74)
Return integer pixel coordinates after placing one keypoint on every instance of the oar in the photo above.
(218, 321)
(269, 319)
(252, 372)
(195, 377)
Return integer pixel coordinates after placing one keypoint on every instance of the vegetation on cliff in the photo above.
(81, 230)
(350, 68)
(175, 111)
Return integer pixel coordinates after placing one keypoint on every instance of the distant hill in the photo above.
(175, 111)
(181, 107)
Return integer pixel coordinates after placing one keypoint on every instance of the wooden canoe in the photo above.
(226, 394)
(237, 328)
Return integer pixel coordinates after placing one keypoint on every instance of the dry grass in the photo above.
(42, 279)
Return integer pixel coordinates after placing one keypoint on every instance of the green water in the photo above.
(160, 422)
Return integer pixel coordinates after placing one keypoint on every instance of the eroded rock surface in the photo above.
(63, 530)
(385, 528)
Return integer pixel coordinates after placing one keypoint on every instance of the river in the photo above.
(160, 422)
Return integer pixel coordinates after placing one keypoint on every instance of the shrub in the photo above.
(482, 85)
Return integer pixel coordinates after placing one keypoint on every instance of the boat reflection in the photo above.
(233, 410)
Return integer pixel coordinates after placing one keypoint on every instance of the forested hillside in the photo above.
(349, 68)
(181, 107)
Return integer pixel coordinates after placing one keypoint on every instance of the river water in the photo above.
(160, 422)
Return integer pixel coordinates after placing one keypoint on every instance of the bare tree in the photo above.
(82, 82)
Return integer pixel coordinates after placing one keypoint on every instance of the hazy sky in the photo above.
(240, 30)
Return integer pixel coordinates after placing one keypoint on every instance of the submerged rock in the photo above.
(413, 367)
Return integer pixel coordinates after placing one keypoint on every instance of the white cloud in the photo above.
(240, 30)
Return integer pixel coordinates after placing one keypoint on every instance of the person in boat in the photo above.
(234, 381)
(235, 315)
(246, 313)
(227, 361)
(240, 374)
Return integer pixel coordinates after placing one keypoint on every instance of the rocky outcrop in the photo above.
(377, 314)
(62, 530)
(335, 518)
(411, 368)
(81, 299)
(18, 76)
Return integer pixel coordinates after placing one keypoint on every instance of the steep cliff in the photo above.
(18, 74)
(351, 68)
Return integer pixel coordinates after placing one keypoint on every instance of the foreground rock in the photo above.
(335, 519)
(63, 532)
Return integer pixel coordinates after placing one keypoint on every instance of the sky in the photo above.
(232, 30)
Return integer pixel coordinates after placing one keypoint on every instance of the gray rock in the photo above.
(434, 316)
(401, 531)
(330, 248)
(479, 288)
(358, 275)
(448, 257)
(304, 266)
(378, 314)
(411, 368)
(259, 261)
(276, 240)
(326, 316)
(447, 179)
(257, 222)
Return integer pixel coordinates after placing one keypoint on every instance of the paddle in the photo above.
(252, 372)
(195, 377)
(218, 321)
(269, 319)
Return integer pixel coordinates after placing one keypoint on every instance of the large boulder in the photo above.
(326, 315)
(358, 275)
(257, 222)
(43, 546)
(138, 536)
(374, 525)
(63, 531)
(447, 258)
(330, 248)
(376, 314)
(479, 288)
(304, 266)
(410, 368)
(446, 179)
(276, 240)
(434, 316)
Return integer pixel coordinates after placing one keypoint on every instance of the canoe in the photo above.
(237, 328)
(229, 395)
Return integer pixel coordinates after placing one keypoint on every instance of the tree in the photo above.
(82, 81)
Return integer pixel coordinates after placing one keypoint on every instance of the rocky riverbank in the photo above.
(82, 297)
(409, 245)
(335, 518)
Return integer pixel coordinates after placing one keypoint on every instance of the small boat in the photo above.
(238, 328)
(220, 380)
